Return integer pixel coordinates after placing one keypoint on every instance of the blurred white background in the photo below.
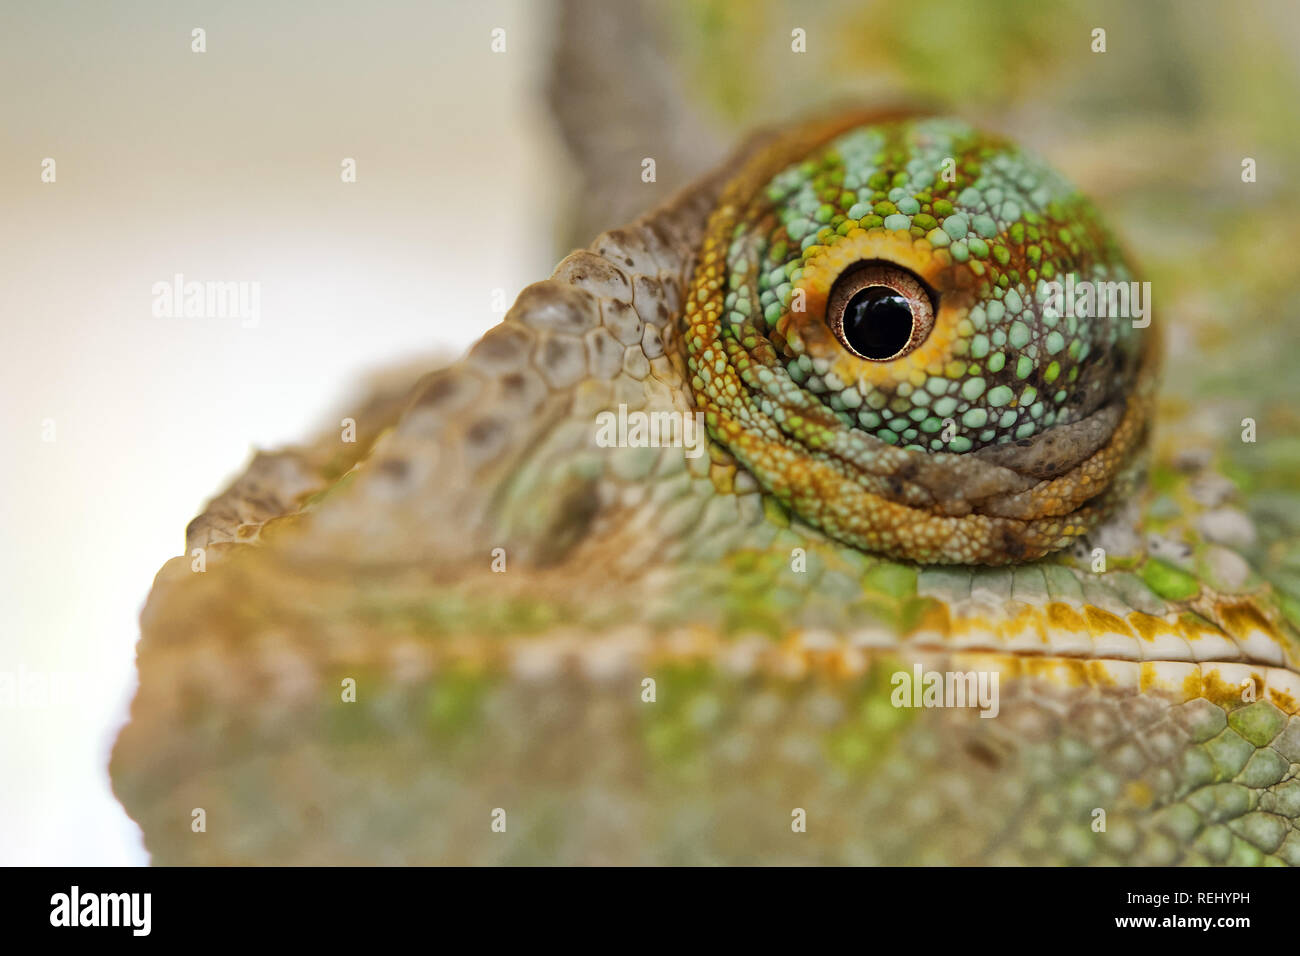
(222, 166)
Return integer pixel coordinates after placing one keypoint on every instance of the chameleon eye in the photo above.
(881, 348)
(880, 311)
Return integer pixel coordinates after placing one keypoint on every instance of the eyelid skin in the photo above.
(990, 432)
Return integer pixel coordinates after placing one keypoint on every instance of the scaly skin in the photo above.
(799, 410)
(771, 588)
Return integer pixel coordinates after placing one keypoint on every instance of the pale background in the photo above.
(222, 166)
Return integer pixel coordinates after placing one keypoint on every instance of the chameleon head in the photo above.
(920, 340)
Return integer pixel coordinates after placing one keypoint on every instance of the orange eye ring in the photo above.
(880, 311)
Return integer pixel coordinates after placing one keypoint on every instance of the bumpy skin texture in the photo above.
(1159, 694)
(817, 424)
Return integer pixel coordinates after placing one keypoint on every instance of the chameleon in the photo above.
(906, 606)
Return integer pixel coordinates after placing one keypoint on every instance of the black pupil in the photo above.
(878, 322)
